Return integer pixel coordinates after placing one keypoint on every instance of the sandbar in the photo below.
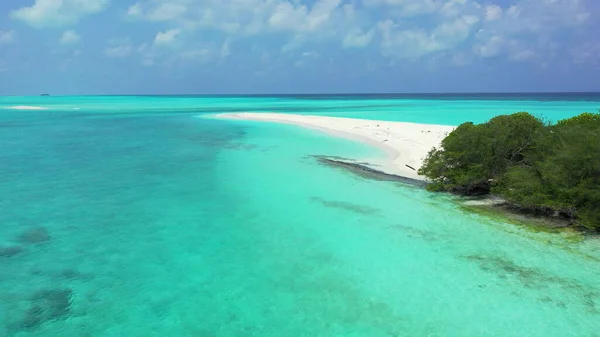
(405, 144)
(25, 107)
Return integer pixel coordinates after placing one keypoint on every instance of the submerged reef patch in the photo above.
(530, 277)
(44, 306)
(34, 236)
(10, 251)
(347, 206)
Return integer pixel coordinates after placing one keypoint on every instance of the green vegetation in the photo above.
(550, 169)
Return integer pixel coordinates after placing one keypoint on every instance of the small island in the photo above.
(517, 163)
(538, 167)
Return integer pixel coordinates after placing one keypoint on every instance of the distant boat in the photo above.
(45, 94)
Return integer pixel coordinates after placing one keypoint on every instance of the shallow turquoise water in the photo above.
(432, 109)
(159, 223)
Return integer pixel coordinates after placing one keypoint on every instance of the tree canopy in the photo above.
(542, 167)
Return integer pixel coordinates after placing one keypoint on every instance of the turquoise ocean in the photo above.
(138, 216)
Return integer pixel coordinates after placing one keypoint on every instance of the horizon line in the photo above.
(44, 94)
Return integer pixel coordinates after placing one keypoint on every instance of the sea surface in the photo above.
(142, 216)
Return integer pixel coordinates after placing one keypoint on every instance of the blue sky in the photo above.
(293, 46)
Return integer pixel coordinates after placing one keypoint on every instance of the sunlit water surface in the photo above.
(137, 216)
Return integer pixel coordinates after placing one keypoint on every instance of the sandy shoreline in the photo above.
(25, 107)
(404, 143)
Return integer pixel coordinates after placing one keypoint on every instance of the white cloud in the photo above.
(407, 8)
(414, 43)
(158, 11)
(183, 55)
(323, 19)
(454, 8)
(167, 11)
(491, 47)
(456, 31)
(69, 37)
(202, 54)
(48, 13)
(306, 59)
(117, 51)
(147, 53)
(148, 62)
(525, 30)
(410, 44)
(298, 18)
(7, 36)
(357, 39)
(226, 48)
(418, 8)
(407, 29)
(118, 48)
(522, 31)
(496, 45)
(135, 10)
(493, 12)
(175, 47)
(167, 37)
(537, 16)
(522, 55)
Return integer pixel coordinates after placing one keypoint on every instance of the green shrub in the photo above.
(553, 169)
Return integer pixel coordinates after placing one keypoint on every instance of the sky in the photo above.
(298, 46)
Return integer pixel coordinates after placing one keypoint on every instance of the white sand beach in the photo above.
(25, 107)
(404, 143)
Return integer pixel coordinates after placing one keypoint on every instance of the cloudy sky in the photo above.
(292, 46)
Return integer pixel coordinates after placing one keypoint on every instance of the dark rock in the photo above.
(34, 236)
(366, 171)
